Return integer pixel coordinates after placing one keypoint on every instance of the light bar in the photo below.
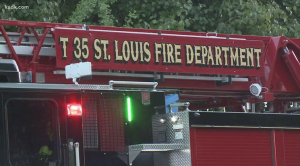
(154, 84)
(74, 110)
(129, 116)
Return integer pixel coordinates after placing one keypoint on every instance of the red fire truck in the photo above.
(105, 96)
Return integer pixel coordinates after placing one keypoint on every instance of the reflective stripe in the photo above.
(46, 159)
(46, 153)
(44, 150)
(50, 133)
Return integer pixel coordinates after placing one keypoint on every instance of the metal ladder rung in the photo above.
(17, 35)
(27, 39)
(26, 34)
(27, 50)
(28, 43)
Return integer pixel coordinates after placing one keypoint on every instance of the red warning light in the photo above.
(74, 109)
(145, 98)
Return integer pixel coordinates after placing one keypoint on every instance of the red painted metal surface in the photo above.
(286, 147)
(278, 139)
(237, 108)
(217, 103)
(21, 36)
(232, 147)
(212, 147)
(35, 34)
(36, 52)
(291, 147)
(293, 65)
(278, 77)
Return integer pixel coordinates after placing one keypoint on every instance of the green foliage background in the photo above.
(248, 17)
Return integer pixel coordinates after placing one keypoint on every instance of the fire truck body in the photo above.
(179, 138)
(136, 108)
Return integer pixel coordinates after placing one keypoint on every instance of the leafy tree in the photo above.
(251, 17)
(39, 10)
(93, 12)
(248, 17)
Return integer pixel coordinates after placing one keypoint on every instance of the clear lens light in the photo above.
(162, 120)
(174, 119)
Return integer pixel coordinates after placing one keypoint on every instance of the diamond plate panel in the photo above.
(158, 127)
(90, 122)
(141, 147)
(166, 133)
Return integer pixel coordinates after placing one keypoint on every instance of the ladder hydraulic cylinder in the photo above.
(293, 64)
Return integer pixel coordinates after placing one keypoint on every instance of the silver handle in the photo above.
(76, 145)
(186, 105)
(212, 33)
(154, 84)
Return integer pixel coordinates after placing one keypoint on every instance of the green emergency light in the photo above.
(129, 109)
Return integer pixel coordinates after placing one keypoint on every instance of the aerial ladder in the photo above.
(34, 48)
(196, 71)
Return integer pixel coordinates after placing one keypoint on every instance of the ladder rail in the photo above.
(43, 44)
(27, 39)
(27, 51)
(35, 44)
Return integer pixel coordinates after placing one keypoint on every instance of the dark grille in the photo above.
(103, 123)
(90, 122)
(111, 124)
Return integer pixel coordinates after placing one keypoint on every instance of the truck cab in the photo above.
(42, 124)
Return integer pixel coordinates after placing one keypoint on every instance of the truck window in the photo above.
(32, 132)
